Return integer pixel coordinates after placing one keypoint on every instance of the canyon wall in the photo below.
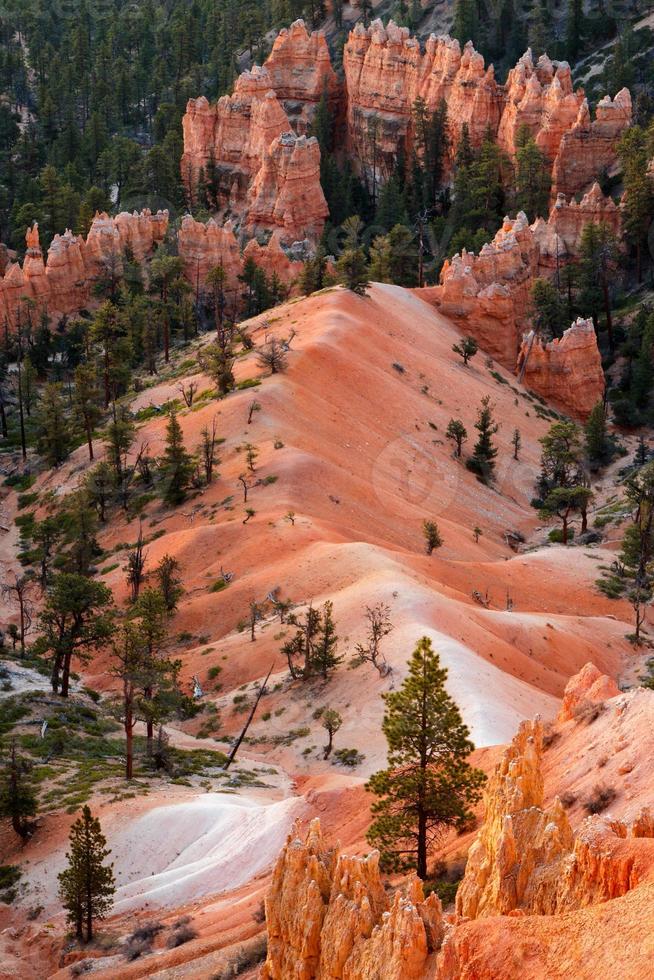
(488, 295)
(386, 71)
(62, 284)
(534, 896)
(256, 167)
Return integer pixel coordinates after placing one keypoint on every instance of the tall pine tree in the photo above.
(428, 785)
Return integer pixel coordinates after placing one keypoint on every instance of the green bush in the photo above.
(10, 875)
(556, 535)
(348, 757)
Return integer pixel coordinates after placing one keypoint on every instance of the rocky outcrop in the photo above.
(286, 192)
(202, 247)
(525, 858)
(536, 900)
(300, 70)
(567, 219)
(253, 165)
(275, 260)
(589, 147)
(329, 917)
(225, 142)
(62, 285)
(589, 686)
(386, 70)
(541, 98)
(487, 295)
(138, 233)
(567, 370)
(515, 861)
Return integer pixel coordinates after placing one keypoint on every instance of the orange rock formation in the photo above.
(61, 285)
(300, 70)
(260, 169)
(328, 915)
(488, 296)
(386, 70)
(536, 900)
(568, 371)
(589, 686)
(204, 246)
(286, 192)
(232, 135)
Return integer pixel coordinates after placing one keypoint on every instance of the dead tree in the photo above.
(19, 591)
(379, 626)
(188, 392)
(237, 744)
(272, 355)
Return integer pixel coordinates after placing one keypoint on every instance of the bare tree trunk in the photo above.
(237, 744)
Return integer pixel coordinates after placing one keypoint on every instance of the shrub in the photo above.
(601, 797)
(568, 799)
(10, 875)
(81, 967)
(147, 931)
(587, 712)
(180, 935)
(348, 757)
(556, 535)
(135, 948)
(248, 955)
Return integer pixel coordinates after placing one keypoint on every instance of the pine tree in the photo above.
(466, 348)
(457, 432)
(86, 886)
(428, 785)
(563, 502)
(432, 536)
(218, 362)
(331, 721)
(54, 435)
(574, 29)
(638, 205)
(547, 309)
(599, 259)
(482, 461)
(324, 660)
(352, 270)
(466, 21)
(561, 456)
(176, 465)
(17, 798)
(532, 178)
(391, 210)
(76, 622)
(598, 446)
(169, 582)
(86, 401)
